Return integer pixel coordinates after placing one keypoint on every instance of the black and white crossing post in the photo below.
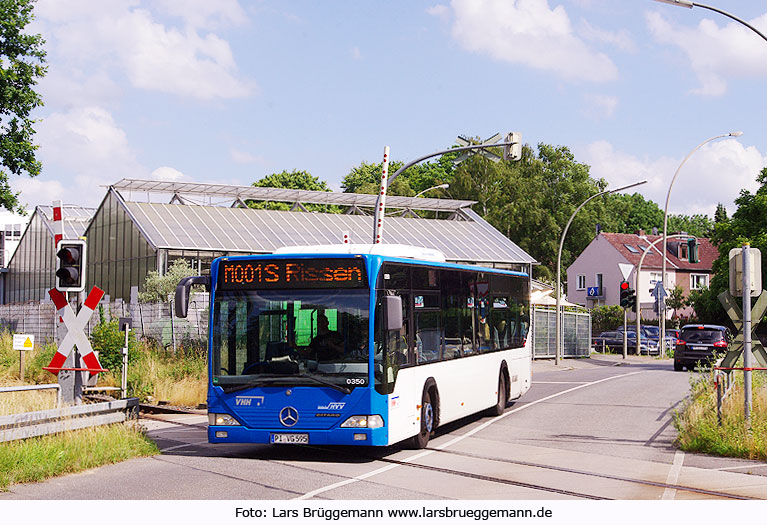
(747, 359)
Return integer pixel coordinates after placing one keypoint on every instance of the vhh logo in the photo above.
(249, 401)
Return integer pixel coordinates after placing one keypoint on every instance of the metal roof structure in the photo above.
(75, 219)
(237, 195)
(246, 230)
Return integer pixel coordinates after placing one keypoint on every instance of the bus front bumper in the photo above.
(337, 436)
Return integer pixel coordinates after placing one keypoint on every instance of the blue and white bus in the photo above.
(342, 345)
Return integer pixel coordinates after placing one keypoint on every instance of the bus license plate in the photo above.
(294, 439)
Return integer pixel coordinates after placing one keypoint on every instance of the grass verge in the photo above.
(40, 458)
(699, 429)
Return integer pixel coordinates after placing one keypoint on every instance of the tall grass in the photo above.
(699, 430)
(40, 458)
(180, 378)
(154, 374)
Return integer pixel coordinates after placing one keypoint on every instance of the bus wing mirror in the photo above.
(182, 292)
(393, 312)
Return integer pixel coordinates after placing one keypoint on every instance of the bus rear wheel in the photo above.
(421, 439)
(503, 396)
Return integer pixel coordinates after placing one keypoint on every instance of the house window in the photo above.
(654, 278)
(598, 280)
(581, 282)
(684, 254)
(698, 281)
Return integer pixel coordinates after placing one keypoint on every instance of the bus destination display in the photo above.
(308, 273)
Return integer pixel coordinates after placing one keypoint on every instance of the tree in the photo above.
(291, 180)
(745, 225)
(721, 213)
(159, 287)
(675, 299)
(22, 60)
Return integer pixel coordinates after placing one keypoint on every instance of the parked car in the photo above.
(613, 341)
(650, 334)
(699, 343)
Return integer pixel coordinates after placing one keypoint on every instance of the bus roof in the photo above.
(390, 250)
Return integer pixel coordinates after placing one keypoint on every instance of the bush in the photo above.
(108, 341)
(605, 318)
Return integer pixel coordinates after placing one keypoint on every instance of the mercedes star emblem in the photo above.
(288, 416)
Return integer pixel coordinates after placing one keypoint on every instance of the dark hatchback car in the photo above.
(613, 341)
(699, 343)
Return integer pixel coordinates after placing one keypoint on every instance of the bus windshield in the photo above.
(284, 338)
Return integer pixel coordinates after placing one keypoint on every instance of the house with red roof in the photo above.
(594, 277)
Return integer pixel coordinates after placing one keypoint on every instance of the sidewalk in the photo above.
(595, 360)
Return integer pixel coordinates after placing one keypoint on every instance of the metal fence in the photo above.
(576, 333)
(156, 321)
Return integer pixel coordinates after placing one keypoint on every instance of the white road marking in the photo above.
(559, 382)
(458, 439)
(758, 465)
(184, 446)
(673, 475)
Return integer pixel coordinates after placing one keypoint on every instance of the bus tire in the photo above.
(421, 439)
(503, 396)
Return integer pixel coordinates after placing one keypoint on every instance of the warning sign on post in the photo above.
(23, 342)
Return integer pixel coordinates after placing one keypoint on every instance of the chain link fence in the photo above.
(156, 321)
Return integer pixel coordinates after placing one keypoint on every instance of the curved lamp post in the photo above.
(688, 4)
(662, 342)
(441, 186)
(558, 346)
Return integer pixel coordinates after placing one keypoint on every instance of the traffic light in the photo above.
(70, 266)
(628, 296)
(632, 300)
(625, 293)
(514, 151)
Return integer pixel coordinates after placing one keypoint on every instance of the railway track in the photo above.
(376, 456)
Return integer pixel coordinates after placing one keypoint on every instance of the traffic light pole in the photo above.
(625, 334)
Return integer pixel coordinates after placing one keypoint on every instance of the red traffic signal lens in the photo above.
(624, 285)
(69, 255)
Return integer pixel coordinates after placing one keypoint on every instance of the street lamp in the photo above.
(441, 186)
(688, 4)
(558, 346)
(662, 342)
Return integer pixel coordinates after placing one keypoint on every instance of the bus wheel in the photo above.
(421, 439)
(503, 396)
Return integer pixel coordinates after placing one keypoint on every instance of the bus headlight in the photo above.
(221, 420)
(363, 422)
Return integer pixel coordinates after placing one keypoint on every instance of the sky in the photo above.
(231, 91)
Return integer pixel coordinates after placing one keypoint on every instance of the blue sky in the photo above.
(232, 91)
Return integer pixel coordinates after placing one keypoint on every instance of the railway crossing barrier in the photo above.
(66, 363)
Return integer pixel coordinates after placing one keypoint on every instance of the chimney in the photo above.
(640, 233)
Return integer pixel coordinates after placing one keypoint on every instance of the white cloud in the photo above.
(619, 39)
(715, 53)
(39, 190)
(204, 13)
(715, 173)
(243, 157)
(125, 38)
(528, 32)
(439, 10)
(600, 106)
(84, 150)
(166, 173)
